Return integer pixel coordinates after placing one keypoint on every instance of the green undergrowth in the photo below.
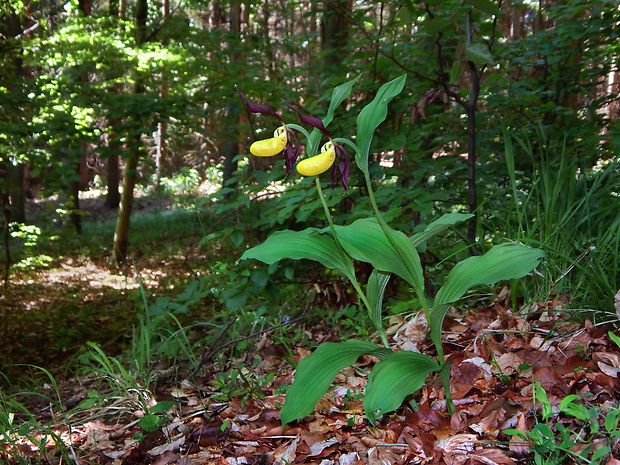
(550, 200)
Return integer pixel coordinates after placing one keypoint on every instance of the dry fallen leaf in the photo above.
(320, 446)
(459, 443)
(516, 444)
(166, 458)
(491, 457)
(285, 454)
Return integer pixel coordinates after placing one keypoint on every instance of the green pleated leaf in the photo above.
(502, 262)
(393, 379)
(437, 226)
(339, 94)
(378, 280)
(316, 373)
(375, 288)
(296, 245)
(366, 241)
(372, 115)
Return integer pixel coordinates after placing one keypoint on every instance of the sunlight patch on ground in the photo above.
(97, 277)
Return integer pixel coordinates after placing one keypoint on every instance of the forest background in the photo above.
(509, 112)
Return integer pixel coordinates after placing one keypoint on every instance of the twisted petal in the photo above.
(342, 166)
(291, 152)
(312, 121)
(257, 108)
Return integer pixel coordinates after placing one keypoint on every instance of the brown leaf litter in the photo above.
(495, 357)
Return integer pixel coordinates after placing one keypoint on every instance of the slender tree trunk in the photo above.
(16, 189)
(231, 149)
(162, 126)
(18, 74)
(74, 205)
(472, 192)
(121, 233)
(6, 211)
(470, 110)
(334, 34)
(113, 197)
(77, 163)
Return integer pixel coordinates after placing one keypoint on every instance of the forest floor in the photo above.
(229, 413)
(48, 312)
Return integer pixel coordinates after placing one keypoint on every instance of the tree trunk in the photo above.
(114, 177)
(74, 205)
(121, 233)
(113, 197)
(470, 110)
(231, 149)
(334, 34)
(16, 190)
(78, 165)
(6, 211)
(162, 126)
(15, 79)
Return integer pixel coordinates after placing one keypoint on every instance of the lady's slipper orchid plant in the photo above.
(320, 163)
(280, 143)
(387, 250)
(281, 140)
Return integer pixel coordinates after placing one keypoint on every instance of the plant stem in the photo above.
(444, 373)
(354, 281)
(384, 226)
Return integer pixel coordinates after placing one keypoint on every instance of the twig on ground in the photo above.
(208, 354)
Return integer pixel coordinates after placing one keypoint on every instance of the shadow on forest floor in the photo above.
(48, 313)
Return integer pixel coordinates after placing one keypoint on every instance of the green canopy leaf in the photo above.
(393, 379)
(436, 25)
(479, 54)
(316, 373)
(487, 6)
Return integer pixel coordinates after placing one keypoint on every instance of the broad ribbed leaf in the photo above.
(366, 241)
(372, 115)
(393, 379)
(502, 262)
(447, 220)
(297, 245)
(375, 289)
(339, 94)
(378, 280)
(316, 373)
